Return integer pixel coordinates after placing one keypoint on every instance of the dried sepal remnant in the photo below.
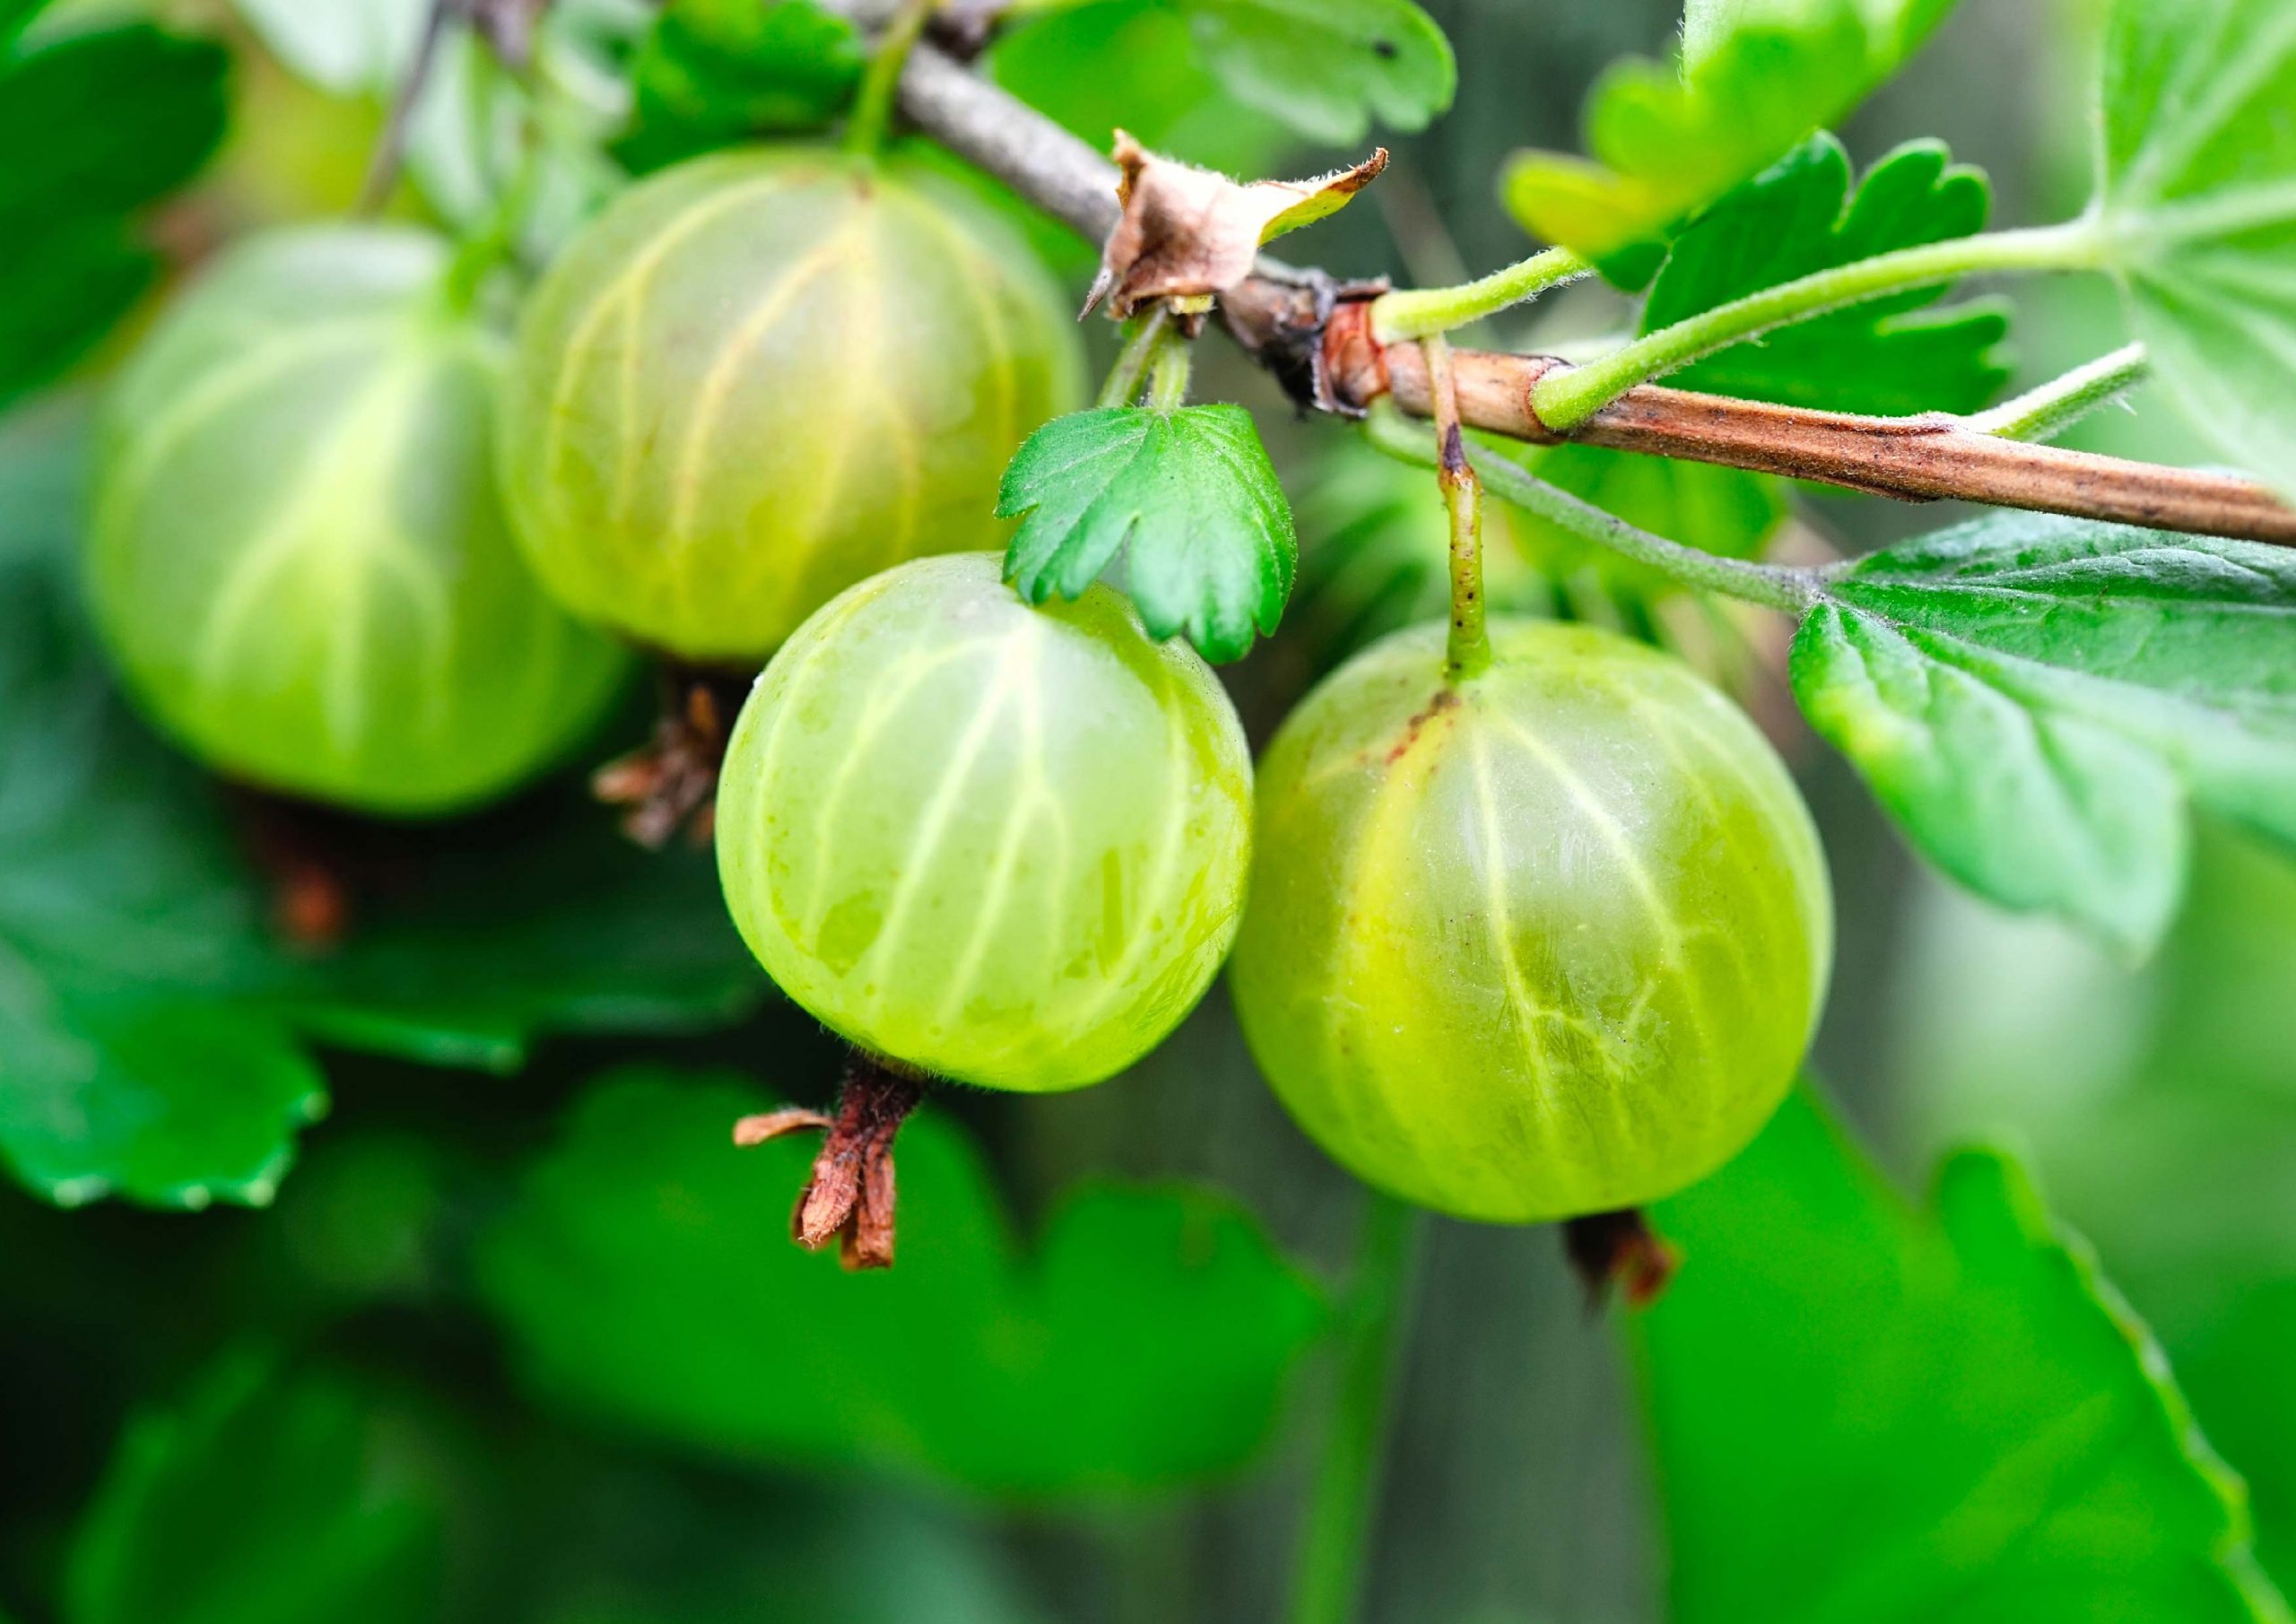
(850, 1193)
(1621, 1249)
(671, 782)
(1187, 233)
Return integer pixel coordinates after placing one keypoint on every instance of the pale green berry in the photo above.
(1545, 942)
(759, 377)
(298, 560)
(997, 844)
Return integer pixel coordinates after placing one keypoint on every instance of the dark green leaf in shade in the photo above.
(712, 71)
(74, 264)
(134, 1063)
(1863, 1412)
(1889, 357)
(1756, 78)
(644, 1275)
(268, 1498)
(2035, 699)
(1328, 68)
(1211, 547)
(2198, 212)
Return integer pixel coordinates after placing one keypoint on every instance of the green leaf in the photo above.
(1757, 77)
(348, 47)
(646, 1275)
(74, 264)
(265, 1499)
(1210, 544)
(712, 71)
(2161, 1110)
(2035, 699)
(132, 1063)
(1889, 357)
(1327, 68)
(2199, 212)
(1863, 1412)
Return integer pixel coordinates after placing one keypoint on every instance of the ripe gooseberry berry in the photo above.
(759, 376)
(1002, 845)
(298, 560)
(1543, 941)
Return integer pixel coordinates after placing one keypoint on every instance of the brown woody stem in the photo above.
(1279, 314)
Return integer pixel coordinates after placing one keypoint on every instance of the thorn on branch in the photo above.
(850, 1194)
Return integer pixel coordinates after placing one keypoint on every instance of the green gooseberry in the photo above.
(759, 376)
(993, 843)
(298, 559)
(1539, 943)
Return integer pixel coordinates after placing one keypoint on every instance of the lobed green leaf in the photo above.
(711, 72)
(265, 1499)
(1755, 78)
(644, 1276)
(1865, 1413)
(1328, 68)
(2198, 212)
(1190, 496)
(2036, 698)
(1888, 357)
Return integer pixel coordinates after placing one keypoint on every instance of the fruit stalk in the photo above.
(1914, 459)
(1467, 652)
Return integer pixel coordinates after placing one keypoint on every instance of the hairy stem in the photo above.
(1774, 585)
(1140, 346)
(873, 105)
(1328, 1574)
(1168, 373)
(1424, 312)
(2048, 410)
(1467, 651)
(1565, 399)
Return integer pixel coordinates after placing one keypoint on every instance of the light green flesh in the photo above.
(761, 377)
(1547, 944)
(1006, 844)
(297, 558)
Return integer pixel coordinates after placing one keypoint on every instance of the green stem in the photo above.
(1167, 374)
(1423, 312)
(1773, 585)
(1327, 1576)
(1467, 651)
(2045, 411)
(1566, 398)
(1140, 346)
(872, 106)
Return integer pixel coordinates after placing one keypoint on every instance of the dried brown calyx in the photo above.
(670, 783)
(850, 1194)
(1619, 1249)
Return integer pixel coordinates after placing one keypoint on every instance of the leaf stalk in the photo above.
(1425, 312)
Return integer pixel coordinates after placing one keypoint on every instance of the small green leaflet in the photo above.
(70, 186)
(714, 71)
(1211, 551)
(1863, 1412)
(1889, 357)
(1328, 68)
(2199, 212)
(270, 1497)
(644, 1275)
(1757, 77)
(2036, 700)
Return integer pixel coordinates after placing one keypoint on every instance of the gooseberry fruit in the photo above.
(993, 843)
(759, 377)
(1542, 941)
(298, 560)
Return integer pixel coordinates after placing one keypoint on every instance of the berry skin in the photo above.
(1001, 845)
(1546, 943)
(760, 377)
(298, 560)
